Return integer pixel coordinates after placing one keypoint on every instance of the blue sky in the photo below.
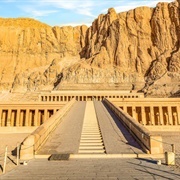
(67, 12)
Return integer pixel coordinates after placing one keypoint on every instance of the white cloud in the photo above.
(35, 12)
(85, 12)
(134, 4)
(84, 7)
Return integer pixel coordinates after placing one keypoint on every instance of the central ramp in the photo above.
(65, 139)
(91, 141)
(117, 139)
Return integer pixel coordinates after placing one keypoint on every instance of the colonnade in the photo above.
(25, 117)
(154, 115)
(52, 98)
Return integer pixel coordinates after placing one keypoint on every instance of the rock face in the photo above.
(138, 49)
(28, 47)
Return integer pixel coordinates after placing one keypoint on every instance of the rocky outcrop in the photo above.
(138, 49)
(26, 44)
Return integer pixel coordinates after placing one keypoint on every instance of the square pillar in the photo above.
(54, 111)
(170, 115)
(9, 117)
(30, 118)
(18, 117)
(39, 118)
(21, 118)
(36, 117)
(175, 118)
(27, 117)
(152, 115)
(143, 115)
(125, 108)
(45, 115)
(178, 115)
(3, 118)
(161, 116)
(12, 118)
(134, 114)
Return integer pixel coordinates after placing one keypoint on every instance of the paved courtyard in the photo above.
(42, 169)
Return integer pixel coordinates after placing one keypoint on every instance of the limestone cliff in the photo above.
(28, 46)
(138, 49)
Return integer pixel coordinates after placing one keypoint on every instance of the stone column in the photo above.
(143, 115)
(45, 115)
(178, 115)
(175, 118)
(158, 118)
(30, 118)
(48, 114)
(18, 117)
(161, 117)
(3, 118)
(54, 111)
(167, 119)
(170, 115)
(152, 115)
(125, 108)
(39, 118)
(12, 118)
(27, 117)
(134, 114)
(21, 118)
(36, 117)
(9, 117)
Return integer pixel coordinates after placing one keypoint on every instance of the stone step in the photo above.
(91, 151)
(90, 140)
(91, 148)
(91, 144)
(91, 135)
(90, 125)
(90, 131)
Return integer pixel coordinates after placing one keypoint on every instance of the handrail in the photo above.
(36, 139)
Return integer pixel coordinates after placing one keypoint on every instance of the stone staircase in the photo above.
(91, 141)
